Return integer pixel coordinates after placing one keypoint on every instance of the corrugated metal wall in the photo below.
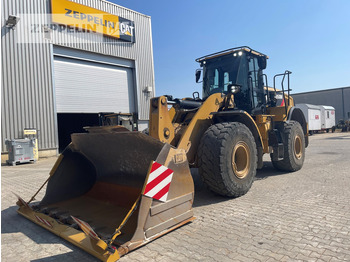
(26, 89)
(27, 82)
(141, 51)
(346, 98)
(338, 98)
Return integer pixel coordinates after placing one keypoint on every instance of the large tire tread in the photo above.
(288, 163)
(212, 161)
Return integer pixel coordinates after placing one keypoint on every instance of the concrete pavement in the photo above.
(302, 216)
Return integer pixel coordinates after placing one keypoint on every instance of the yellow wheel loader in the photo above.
(113, 190)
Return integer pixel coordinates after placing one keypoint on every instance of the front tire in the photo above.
(294, 148)
(227, 158)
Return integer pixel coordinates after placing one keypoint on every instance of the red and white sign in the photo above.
(317, 117)
(44, 221)
(158, 183)
(24, 203)
(87, 229)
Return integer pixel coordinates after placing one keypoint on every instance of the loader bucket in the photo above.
(97, 186)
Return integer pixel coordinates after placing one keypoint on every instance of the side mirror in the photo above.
(198, 75)
(234, 88)
(262, 62)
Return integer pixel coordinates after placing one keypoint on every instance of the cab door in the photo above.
(255, 83)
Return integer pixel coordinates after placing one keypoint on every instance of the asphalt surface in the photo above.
(302, 216)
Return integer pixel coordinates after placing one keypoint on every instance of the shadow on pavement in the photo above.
(203, 196)
(338, 137)
(267, 171)
(61, 257)
(12, 222)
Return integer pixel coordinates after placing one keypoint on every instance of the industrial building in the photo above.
(339, 98)
(65, 62)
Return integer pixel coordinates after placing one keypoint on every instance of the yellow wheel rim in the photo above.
(298, 147)
(241, 160)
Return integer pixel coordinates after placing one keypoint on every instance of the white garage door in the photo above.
(89, 87)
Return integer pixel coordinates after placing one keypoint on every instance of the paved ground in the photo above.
(285, 217)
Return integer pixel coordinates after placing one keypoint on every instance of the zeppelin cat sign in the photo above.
(91, 19)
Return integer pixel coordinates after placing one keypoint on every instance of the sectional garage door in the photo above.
(90, 87)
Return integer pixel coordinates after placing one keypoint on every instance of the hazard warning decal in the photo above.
(21, 201)
(87, 229)
(158, 182)
(44, 221)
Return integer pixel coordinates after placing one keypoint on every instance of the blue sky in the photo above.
(311, 38)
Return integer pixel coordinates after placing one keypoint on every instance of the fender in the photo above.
(242, 117)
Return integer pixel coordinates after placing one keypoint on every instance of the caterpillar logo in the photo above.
(126, 27)
(91, 19)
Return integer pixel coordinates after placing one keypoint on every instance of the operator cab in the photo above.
(241, 67)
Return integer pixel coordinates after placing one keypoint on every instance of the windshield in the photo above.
(219, 73)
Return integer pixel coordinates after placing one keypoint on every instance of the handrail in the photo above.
(287, 72)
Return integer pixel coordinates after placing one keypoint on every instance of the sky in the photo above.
(311, 38)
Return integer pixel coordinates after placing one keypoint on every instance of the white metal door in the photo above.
(90, 87)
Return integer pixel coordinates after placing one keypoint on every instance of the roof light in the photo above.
(240, 53)
(234, 54)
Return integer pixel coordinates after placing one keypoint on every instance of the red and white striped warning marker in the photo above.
(44, 221)
(158, 182)
(24, 203)
(86, 228)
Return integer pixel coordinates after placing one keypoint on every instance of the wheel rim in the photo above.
(241, 160)
(298, 147)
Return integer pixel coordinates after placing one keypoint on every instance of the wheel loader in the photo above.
(113, 190)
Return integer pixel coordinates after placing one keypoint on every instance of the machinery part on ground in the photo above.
(227, 159)
(344, 125)
(129, 121)
(294, 147)
(100, 178)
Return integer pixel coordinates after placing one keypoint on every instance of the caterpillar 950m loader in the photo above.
(113, 190)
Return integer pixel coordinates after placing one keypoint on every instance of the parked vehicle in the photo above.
(312, 115)
(327, 118)
(112, 191)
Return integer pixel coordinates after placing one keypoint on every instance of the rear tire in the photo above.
(294, 148)
(227, 159)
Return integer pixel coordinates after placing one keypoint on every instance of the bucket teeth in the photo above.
(58, 214)
(69, 220)
(35, 207)
(53, 213)
(47, 210)
(75, 226)
(64, 218)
